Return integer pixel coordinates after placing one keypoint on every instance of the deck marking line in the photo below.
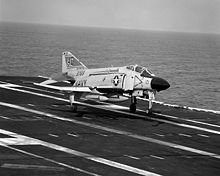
(137, 115)
(5, 84)
(17, 141)
(187, 120)
(84, 117)
(200, 128)
(173, 117)
(41, 90)
(161, 135)
(74, 135)
(37, 117)
(169, 122)
(34, 93)
(79, 154)
(29, 166)
(102, 134)
(133, 157)
(184, 107)
(158, 157)
(203, 135)
(186, 135)
(53, 135)
(50, 160)
(7, 118)
(144, 138)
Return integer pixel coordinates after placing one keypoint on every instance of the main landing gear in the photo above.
(73, 106)
(133, 104)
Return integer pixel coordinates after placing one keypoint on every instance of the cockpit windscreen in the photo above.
(142, 70)
(130, 67)
(139, 69)
(145, 73)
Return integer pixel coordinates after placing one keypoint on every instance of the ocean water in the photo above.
(190, 62)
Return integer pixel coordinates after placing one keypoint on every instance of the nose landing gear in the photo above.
(151, 97)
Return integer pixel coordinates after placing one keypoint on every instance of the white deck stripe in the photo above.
(50, 160)
(144, 138)
(161, 135)
(169, 116)
(174, 123)
(77, 153)
(31, 166)
(53, 135)
(184, 107)
(203, 135)
(127, 113)
(74, 135)
(158, 157)
(5, 84)
(34, 93)
(186, 135)
(188, 120)
(132, 157)
(4, 117)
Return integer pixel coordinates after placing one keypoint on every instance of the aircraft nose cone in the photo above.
(159, 84)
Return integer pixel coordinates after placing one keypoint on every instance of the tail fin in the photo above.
(70, 62)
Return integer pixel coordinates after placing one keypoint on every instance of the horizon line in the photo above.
(109, 27)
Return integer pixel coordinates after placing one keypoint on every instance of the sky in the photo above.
(167, 15)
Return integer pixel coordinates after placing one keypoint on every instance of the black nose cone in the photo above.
(159, 84)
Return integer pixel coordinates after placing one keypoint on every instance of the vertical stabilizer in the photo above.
(70, 62)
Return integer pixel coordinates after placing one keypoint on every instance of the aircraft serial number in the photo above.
(81, 83)
(80, 73)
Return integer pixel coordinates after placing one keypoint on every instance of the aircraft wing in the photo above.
(65, 89)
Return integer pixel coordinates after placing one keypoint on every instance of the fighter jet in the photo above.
(113, 84)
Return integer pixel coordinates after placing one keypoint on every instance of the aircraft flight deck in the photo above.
(40, 135)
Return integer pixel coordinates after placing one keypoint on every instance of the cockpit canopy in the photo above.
(139, 69)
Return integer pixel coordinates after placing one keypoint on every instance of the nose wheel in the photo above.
(133, 104)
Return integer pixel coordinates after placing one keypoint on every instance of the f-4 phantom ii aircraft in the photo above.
(113, 84)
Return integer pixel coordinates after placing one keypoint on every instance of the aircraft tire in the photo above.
(74, 108)
(149, 111)
(133, 108)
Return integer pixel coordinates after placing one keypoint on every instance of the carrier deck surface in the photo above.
(40, 135)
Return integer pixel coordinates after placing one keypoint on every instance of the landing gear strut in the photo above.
(73, 106)
(133, 104)
(151, 96)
